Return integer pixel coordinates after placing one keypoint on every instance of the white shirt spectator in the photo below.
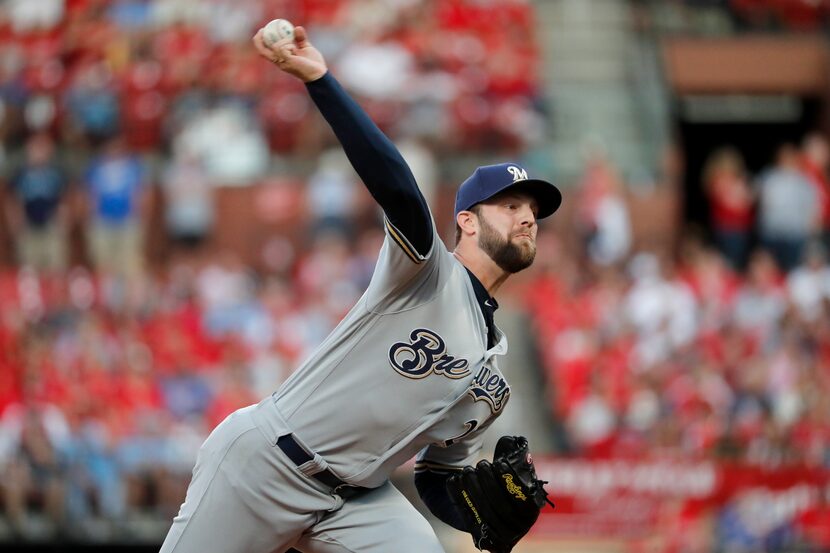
(612, 240)
(225, 284)
(787, 204)
(233, 20)
(808, 285)
(332, 187)
(12, 422)
(233, 148)
(424, 168)
(166, 12)
(376, 71)
(188, 198)
(591, 420)
(643, 410)
(29, 15)
(759, 311)
(664, 313)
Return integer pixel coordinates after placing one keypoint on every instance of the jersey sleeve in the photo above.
(454, 457)
(404, 278)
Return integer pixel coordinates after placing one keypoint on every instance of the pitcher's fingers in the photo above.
(282, 43)
(261, 47)
(301, 37)
(286, 50)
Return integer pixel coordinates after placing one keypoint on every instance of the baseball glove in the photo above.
(499, 501)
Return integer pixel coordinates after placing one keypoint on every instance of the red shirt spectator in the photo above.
(730, 199)
(731, 204)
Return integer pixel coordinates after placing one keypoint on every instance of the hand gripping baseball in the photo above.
(296, 57)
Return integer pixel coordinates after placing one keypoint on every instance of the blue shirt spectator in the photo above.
(130, 14)
(185, 395)
(39, 186)
(114, 182)
(35, 211)
(93, 103)
(115, 189)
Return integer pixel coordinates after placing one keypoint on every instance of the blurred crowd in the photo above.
(688, 358)
(718, 348)
(112, 371)
(715, 350)
(782, 209)
(180, 76)
(108, 106)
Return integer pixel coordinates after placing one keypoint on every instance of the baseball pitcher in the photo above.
(412, 370)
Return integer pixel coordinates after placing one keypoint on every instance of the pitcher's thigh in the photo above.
(378, 522)
(243, 498)
(214, 519)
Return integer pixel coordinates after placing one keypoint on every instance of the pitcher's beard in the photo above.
(510, 257)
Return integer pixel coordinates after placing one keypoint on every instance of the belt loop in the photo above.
(266, 416)
(313, 465)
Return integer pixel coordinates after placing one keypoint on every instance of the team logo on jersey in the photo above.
(489, 386)
(517, 172)
(424, 354)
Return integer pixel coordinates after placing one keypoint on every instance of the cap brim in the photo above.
(548, 197)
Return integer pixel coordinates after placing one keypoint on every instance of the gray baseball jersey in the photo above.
(407, 369)
(406, 372)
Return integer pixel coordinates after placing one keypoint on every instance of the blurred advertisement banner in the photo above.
(629, 499)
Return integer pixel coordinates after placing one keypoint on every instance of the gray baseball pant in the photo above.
(246, 496)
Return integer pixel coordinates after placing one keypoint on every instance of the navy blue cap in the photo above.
(489, 180)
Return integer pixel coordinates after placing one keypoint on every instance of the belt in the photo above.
(300, 456)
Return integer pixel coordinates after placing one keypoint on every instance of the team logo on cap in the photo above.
(517, 172)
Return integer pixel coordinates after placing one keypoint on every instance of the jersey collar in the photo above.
(488, 306)
(485, 300)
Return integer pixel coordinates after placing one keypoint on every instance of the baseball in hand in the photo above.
(277, 30)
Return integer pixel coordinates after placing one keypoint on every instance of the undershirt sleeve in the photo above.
(432, 487)
(377, 162)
